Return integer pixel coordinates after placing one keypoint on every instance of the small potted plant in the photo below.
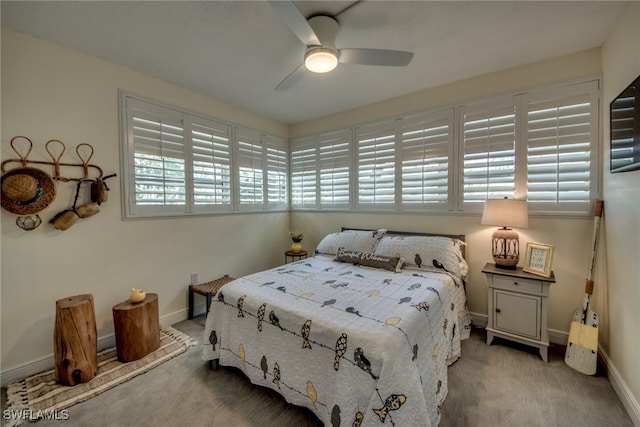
(296, 238)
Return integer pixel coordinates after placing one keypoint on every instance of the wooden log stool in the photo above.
(208, 289)
(137, 328)
(75, 340)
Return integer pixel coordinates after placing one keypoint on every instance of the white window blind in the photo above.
(211, 157)
(277, 172)
(335, 159)
(376, 164)
(488, 149)
(426, 146)
(158, 151)
(250, 157)
(303, 174)
(177, 163)
(561, 136)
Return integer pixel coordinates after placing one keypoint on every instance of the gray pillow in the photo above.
(369, 259)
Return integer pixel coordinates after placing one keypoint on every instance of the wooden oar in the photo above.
(582, 348)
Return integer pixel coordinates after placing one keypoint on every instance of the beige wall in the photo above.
(50, 92)
(618, 300)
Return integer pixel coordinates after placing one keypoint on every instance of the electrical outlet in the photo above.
(194, 278)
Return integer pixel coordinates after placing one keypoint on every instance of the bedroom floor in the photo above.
(499, 385)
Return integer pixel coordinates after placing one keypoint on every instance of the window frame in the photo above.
(267, 142)
(521, 103)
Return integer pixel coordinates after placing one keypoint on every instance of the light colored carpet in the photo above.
(502, 385)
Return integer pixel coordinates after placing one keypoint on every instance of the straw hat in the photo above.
(26, 191)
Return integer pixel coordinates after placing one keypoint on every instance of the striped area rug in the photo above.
(39, 396)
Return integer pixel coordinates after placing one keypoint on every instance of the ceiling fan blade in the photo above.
(294, 77)
(297, 23)
(389, 58)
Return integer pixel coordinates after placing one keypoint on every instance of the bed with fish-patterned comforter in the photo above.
(356, 345)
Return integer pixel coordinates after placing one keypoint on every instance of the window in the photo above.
(562, 148)
(179, 164)
(376, 165)
(211, 163)
(489, 151)
(277, 172)
(157, 174)
(321, 171)
(542, 145)
(250, 158)
(426, 144)
(334, 161)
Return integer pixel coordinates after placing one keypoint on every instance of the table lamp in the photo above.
(505, 213)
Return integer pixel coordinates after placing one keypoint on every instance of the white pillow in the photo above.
(356, 240)
(426, 252)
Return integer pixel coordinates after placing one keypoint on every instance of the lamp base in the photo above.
(506, 267)
(506, 248)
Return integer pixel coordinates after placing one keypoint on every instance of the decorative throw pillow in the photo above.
(357, 240)
(369, 259)
(426, 252)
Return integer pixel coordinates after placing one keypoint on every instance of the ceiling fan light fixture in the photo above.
(321, 60)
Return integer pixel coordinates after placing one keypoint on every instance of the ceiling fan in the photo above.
(318, 34)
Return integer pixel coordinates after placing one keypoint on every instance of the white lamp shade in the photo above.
(320, 60)
(505, 213)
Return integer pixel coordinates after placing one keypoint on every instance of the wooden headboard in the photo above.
(460, 237)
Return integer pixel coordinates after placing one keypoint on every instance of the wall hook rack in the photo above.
(84, 151)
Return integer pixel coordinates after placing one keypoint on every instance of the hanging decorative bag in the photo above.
(99, 189)
(68, 217)
(86, 210)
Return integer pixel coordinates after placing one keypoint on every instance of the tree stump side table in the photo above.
(137, 328)
(75, 340)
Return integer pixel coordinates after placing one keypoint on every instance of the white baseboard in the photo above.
(478, 320)
(48, 362)
(620, 387)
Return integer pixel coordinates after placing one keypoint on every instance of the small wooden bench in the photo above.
(208, 289)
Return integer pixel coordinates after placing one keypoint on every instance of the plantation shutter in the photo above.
(211, 158)
(561, 143)
(376, 153)
(250, 158)
(426, 148)
(303, 174)
(334, 159)
(156, 136)
(488, 140)
(277, 172)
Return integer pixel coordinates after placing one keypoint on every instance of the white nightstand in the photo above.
(517, 307)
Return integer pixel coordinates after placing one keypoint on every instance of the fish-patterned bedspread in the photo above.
(356, 345)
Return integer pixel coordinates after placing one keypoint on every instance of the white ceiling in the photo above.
(238, 51)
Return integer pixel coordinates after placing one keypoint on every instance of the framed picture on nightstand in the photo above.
(538, 259)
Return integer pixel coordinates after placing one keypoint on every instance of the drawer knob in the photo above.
(498, 310)
(515, 283)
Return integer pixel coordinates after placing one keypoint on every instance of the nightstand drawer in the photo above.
(517, 284)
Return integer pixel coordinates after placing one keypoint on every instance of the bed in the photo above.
(361, 333)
